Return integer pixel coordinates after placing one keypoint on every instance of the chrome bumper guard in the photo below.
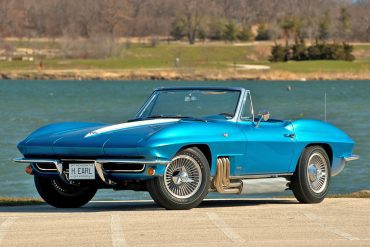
(342, 163)
(351, 157)
(98, 165)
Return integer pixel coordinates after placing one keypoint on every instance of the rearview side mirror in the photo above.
(265, 115)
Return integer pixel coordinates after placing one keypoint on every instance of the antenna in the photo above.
(325, 106)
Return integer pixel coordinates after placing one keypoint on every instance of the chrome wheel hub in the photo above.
(179, 177)
(183, 176)
(317, 172)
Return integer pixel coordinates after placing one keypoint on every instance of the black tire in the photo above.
(167, 194)
(61, 195)
(308, 184)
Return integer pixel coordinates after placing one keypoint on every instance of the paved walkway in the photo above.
(246, 222)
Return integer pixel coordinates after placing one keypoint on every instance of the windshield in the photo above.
(191, 103)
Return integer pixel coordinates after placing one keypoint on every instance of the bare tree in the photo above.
(87, 18)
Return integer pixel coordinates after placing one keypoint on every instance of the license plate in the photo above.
(83, 171)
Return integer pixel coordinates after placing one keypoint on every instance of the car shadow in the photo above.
(145, 205)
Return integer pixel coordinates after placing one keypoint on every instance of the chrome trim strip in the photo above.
(273, 175)
(141, 170)
(239, 105)
(79, 160)
(124, 161)
(43, 169)
(24, 160)
(351, 157)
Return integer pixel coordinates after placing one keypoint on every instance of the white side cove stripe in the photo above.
(5, 226)
(128, 125)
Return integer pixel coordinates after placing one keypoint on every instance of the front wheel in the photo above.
(311, 179)
(61, 195)
(185, 183)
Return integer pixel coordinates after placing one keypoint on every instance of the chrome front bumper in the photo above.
(98, 165)
(351, 157)
(339, 164)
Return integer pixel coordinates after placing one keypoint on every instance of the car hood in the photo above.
(89, 139)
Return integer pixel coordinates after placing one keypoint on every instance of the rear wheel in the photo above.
(61, 195)
(185, 183)
(311, 179)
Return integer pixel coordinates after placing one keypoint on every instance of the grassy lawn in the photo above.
(358, 194)
(200, 56)
(322, 66)
(19, 201)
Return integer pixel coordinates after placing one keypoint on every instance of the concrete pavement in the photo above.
(244, 222)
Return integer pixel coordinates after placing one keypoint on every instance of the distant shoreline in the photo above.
(43, 60)
(179, 74)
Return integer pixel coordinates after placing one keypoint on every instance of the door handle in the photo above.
(290, 135)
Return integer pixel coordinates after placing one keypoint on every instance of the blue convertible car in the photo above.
(183, 143)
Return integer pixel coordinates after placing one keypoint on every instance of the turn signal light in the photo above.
(28, 170)
(151, 171)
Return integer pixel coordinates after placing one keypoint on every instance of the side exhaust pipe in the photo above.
(222, 182)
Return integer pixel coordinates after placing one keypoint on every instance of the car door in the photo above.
(269, 148)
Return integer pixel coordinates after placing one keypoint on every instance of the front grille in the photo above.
(120, 167)
(112, 167)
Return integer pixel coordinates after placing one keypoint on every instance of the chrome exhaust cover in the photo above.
(264, 185)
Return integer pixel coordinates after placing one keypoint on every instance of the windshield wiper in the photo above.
(167, 116)
(176, 116)
(194, 119)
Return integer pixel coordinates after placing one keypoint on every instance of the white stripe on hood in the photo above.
(128, 125)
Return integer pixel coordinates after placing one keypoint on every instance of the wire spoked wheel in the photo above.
(183, 176)
(310, 182)
(185, 182)
(317, 171)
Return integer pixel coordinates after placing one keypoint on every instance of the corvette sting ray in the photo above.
(183, 143)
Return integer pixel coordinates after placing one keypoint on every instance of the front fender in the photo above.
(310, 132)
(222, 138)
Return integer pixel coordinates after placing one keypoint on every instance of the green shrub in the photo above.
(178, 29)
(299, 51)
(317, 51)
(278, 53)
(263, 33)
(230, 32)
(245, 34)
(216, 29)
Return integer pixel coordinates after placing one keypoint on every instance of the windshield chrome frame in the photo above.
(239, 107)
(244, 107)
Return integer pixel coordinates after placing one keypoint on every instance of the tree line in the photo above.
(191, 20)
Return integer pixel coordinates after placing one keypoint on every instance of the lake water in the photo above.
(27, 105)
